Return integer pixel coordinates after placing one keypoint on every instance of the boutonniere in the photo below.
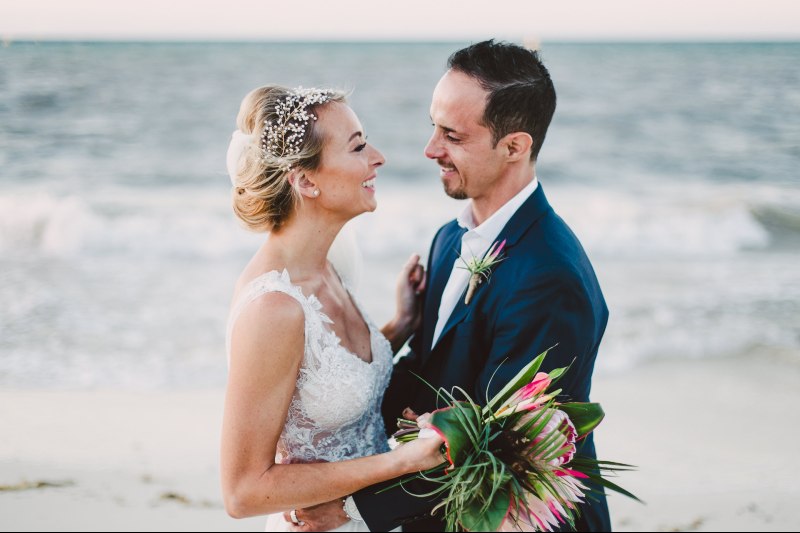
(481, 268)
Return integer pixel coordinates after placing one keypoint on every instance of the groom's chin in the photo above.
(455, 194)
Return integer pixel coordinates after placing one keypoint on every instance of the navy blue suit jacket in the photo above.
(544, 293)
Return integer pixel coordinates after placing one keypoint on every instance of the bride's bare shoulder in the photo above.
(272, 323)
(273, 310)
(267, 309)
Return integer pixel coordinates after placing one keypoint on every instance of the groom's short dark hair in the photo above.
(521, 93)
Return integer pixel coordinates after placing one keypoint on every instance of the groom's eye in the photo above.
(447, 134)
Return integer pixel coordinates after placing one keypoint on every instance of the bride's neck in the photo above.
(303, 244)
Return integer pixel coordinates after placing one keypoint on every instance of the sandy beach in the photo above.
(700, 433)
(122, 461)
(112, 461)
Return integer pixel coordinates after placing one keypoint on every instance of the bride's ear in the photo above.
(302, 184)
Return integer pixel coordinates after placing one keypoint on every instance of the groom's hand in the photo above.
(322, 517)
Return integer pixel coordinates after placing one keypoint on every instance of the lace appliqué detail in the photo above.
(335, 412)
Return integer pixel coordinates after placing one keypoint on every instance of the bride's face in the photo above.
(348, 168)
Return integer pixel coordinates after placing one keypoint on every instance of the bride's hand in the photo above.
(410, 286)
(423, 453)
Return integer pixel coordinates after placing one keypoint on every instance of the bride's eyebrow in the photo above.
(356, 134)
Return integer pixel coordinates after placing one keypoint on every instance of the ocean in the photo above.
(675, 164)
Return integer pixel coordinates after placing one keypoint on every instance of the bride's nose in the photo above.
(377, 158)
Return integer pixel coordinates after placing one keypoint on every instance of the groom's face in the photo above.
(470, 163)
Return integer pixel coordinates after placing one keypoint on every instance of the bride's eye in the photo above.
(362, 146)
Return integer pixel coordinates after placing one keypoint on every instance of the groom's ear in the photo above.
(302, 184)
(517, 145)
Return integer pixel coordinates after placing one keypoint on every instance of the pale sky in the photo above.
(401, 19)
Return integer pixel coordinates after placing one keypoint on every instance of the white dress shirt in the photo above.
(475, 243)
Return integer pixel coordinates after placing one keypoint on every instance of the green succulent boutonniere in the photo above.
(481, 269)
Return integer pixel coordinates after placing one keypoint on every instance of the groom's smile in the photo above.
(446, 169)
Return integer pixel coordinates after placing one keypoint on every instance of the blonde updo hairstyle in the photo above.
(263, 197)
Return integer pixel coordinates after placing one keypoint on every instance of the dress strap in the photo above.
(274, 281)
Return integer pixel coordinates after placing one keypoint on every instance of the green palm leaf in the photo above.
(524, 377)
(486, 517)
(584, 416)
(452, 424)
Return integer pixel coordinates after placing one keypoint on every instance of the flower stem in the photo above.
(474, 281)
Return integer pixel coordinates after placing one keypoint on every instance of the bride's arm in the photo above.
(410, 286)
(266, 350)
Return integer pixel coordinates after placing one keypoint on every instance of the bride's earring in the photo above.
(316, 193)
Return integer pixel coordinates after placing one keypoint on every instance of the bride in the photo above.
(307, 369)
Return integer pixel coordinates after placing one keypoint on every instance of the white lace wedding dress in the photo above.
(335, 413)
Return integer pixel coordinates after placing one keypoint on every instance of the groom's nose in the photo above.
(433, 150)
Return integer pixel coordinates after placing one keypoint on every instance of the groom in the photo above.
(490, 113)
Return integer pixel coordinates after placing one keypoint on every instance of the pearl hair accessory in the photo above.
(283, 137)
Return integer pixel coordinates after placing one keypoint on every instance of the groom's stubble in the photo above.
(458, 194)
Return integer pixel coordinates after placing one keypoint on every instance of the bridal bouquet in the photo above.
(513, 465)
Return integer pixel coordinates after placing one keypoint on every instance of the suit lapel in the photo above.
(526, 216)
(441, 266)
(529, 213)
(458, 314)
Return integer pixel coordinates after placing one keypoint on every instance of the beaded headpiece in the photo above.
(283, 136)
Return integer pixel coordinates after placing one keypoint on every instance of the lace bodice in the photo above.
(335, 412)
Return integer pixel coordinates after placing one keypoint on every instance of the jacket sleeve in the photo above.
(384, 511)
(551, 311)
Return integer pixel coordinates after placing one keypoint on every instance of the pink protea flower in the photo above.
(551, 506)
(539, 384)
(532, 515)
(527, 397)
(557, 438)
(570, 490)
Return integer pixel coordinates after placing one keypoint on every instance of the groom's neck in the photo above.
(502, 190)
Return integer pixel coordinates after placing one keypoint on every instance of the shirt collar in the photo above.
(492, 226)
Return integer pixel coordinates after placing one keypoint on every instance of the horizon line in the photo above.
(6, 40)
